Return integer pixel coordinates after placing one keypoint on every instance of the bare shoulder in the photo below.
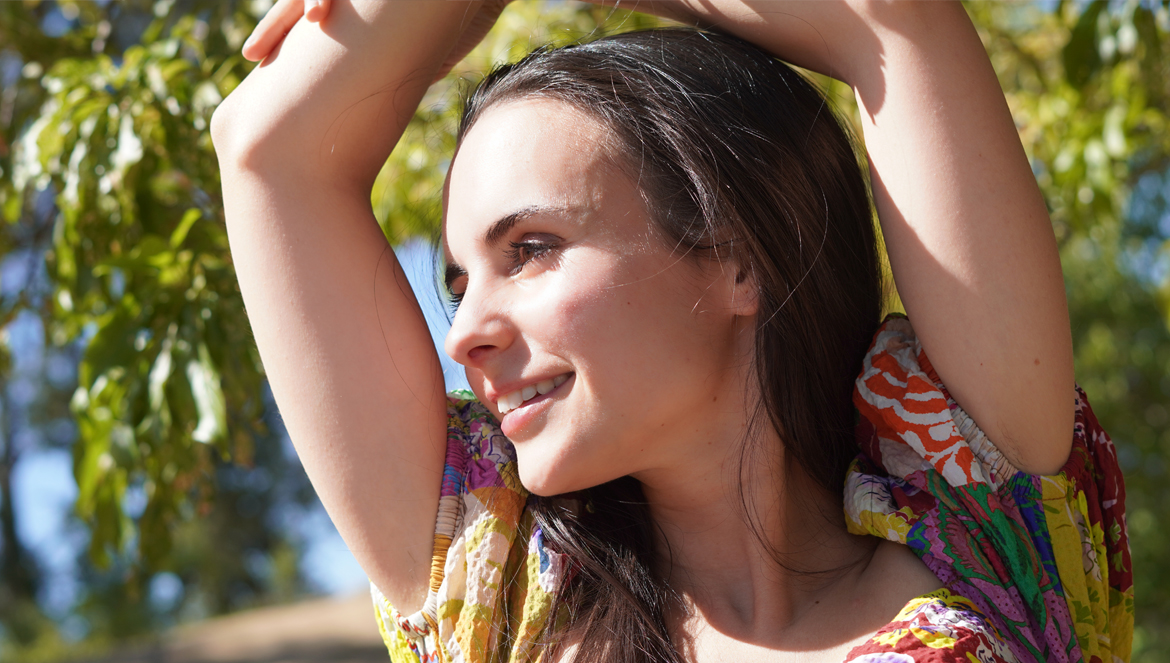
(896, 572)
(893, 578)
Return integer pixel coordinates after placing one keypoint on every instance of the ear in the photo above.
(744, 289)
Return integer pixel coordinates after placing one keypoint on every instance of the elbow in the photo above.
(238, 138)
(224, 127)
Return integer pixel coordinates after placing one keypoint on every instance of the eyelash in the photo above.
(453, 301)
(536, 250)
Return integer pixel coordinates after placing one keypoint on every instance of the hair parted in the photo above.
(740, 158)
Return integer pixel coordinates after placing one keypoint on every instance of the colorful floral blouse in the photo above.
(1033, 568)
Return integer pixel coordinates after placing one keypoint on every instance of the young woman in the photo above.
(689, 437)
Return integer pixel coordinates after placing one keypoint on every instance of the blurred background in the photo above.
(147, 487)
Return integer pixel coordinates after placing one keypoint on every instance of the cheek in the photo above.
(596, 313)
(622, 330)
(576, 303)
(624, 304)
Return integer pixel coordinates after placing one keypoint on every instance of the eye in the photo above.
(526, 250)
(518, 254)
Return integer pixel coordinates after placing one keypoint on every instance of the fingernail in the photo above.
(310, 5)
(251, 40)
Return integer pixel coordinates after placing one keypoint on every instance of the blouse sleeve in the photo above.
(1045, 557)
(487, 596)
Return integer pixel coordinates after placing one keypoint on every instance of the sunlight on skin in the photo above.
(600, 298)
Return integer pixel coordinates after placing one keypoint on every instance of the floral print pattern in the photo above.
(492, 577)
(1045, 559)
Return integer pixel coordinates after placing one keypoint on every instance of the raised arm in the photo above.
(968, 233)
(343, 341)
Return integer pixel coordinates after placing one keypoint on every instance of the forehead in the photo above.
(531, 153)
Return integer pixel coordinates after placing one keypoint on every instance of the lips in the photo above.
(514, 399)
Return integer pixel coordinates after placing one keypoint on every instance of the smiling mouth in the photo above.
(515, 399)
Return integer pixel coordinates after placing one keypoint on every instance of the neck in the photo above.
(748, 543)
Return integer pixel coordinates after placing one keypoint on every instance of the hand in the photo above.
(281, 18)
(278, 21)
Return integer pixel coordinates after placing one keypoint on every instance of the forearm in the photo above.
(334, 97)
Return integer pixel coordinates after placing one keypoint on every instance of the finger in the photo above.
(317, 10)
(272, 29)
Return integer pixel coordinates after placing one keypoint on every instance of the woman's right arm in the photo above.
(343, 341)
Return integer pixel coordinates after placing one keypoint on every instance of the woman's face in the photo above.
(606, 353)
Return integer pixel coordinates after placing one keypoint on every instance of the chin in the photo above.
(543, 482)
(544, 477)
(541, 490)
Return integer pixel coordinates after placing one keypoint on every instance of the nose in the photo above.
(480, 331)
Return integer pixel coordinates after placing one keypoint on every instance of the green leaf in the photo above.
(208, 395)
(189, 218)
(1081, 57)
(160, 372)
(10, 206)
(112, 346)
(123, 445)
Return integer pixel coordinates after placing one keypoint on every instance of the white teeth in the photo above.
(513, 400)
(509, 402)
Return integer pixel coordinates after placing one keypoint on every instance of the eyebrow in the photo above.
(500, 228)
(497, 231)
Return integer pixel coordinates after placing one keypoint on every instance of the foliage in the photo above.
(124, 146)
(112, 122)
(108, 170)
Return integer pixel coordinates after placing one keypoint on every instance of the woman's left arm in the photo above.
(967, 230)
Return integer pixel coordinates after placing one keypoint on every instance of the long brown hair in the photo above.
(739, 157)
